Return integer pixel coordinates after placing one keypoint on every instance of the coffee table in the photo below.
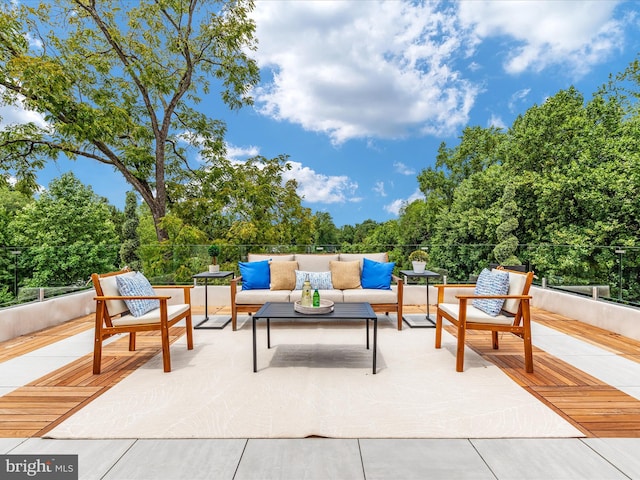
(342, 311)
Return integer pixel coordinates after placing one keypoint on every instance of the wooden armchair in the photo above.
(514, 318)
(113, 316)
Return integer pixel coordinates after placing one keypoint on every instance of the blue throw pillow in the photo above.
(377, 274)
(137, 285)
(490, 282)
(255, 275)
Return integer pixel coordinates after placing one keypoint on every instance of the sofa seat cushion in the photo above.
(260, 296)
(373, 296)
(150, 317)
(475, 315)
(335, 296)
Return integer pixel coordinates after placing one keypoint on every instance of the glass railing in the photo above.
(610, 273)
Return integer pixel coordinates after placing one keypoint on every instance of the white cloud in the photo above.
(16, 114)
(404, 169)
(518, 98)
(235, 153)
(362, 69)
(575, 34)
(379, 189)
(497, 122)
(318, 188)
(395, 206)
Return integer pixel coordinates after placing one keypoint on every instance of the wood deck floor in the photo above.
(595, 408)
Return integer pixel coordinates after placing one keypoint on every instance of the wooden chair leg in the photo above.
(460, 348)
(189, 323)
(438, 330)
(97, 341)
(97, 355)
(494, 339)
(132, 341)
(166, 354)
(526, 338)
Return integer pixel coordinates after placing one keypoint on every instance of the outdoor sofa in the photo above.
(340, 277)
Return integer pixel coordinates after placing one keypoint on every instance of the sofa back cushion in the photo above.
(319, 262)
(345, 275)
(278, 257)
(352, 257)
(283, 276)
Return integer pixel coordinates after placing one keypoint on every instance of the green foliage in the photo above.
(418, 256)
(119, 85)
(246, 204)
(65, 236)
(326, 233)
(213, 251)
(130, 239)
(507, 246)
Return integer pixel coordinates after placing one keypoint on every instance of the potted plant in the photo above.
(418, 259)
(214, 251)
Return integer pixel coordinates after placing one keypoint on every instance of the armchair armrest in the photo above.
(441, 288)
(132, 297)
(515, 297)
(234, 289)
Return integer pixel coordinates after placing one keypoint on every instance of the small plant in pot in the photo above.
(418, 259)
(214, 251)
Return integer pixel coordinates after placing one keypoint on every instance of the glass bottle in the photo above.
(306, 300)
(316, 298)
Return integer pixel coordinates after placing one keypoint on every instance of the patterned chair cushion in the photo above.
(133, 286)
(490, 282)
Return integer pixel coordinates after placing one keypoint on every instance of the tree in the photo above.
(505, 250)
(130, 238)
(326, 233)
(11, 202)
(67, 234)
(117, 85)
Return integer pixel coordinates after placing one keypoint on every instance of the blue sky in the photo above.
(360, 94)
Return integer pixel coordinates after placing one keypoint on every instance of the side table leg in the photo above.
(375, 343)
(268, 333)
(255, 362)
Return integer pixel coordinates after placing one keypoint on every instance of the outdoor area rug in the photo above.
(316, 380)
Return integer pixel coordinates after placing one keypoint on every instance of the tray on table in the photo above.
(326, 306)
